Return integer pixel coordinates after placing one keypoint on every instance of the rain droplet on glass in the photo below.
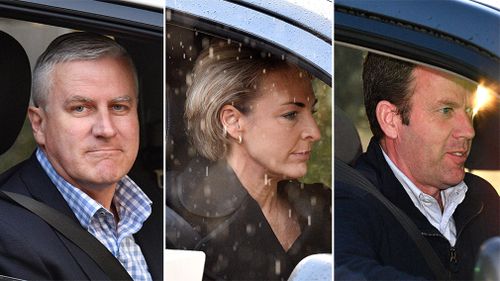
(314, 200)
(250, 228)
(277, 267)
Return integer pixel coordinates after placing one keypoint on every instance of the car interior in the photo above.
(352, 131)
(16, 80)
(147, 170)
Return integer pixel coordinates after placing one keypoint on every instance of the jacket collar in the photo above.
(385, 180)
(36, 184)
(41, 188)
(210, 189)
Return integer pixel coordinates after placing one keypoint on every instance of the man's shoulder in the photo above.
(479, 186)
(10, 180)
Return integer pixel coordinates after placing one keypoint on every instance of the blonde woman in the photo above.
(251, 116)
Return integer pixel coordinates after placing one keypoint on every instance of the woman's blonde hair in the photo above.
(224, 74)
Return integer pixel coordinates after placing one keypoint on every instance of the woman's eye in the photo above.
(290, 115)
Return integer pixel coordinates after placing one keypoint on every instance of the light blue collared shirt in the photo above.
(133, 207)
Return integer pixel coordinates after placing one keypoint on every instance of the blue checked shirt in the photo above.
(133, 207)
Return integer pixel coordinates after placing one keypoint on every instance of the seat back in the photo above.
(347, 142)
(15, 78)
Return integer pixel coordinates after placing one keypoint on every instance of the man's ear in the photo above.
(388, 119)
(37, 120)
(230, 118)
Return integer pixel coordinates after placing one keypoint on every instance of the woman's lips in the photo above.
(302, 155)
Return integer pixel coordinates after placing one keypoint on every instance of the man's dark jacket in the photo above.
(370, 243)
(31, 249)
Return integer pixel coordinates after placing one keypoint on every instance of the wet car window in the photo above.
(204, 188)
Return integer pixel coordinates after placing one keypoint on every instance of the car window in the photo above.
(34, 38)
(265, 28)
(183, 44)
(349, 98)
(143, 41)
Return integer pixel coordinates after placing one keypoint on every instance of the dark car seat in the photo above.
(346, 138)
(485, 150)
(15, 78)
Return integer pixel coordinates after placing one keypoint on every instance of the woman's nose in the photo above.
(311, 130)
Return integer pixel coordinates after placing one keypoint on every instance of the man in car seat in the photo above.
(421, 119)
(84, 118)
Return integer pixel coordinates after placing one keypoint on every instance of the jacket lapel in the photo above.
(390, 186)
(38, 185)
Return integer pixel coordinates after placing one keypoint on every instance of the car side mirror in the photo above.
(488, 262)
(313, 267)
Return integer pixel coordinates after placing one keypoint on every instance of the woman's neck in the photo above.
(264, 189)
(259, 184)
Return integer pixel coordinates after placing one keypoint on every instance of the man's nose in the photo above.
(104, 126)
(464, 127)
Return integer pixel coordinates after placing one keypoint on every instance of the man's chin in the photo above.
(455, 177)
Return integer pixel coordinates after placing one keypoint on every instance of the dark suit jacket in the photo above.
(371, 245)
(238, 241)
(31, 249)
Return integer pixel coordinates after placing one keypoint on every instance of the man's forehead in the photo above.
(97, 98)
(428, 75)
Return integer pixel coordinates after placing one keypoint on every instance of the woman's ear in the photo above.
(388, 118)
(230, 118)
(37, 120)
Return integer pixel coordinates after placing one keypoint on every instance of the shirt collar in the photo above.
(456, 191)
(132, 203)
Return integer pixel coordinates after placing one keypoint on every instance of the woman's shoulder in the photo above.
(296, 189)
(308, 199)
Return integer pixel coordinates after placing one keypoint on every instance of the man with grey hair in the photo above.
(84, 119)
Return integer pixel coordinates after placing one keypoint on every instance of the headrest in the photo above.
(486, 144)
(15, 81)
(347, 141)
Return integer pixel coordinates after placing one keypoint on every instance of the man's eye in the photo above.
(290, 115)
(79, 108)
(119, 107)
(469, 111)
(446, 110)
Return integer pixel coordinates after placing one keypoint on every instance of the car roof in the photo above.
(460, 36)
(301, 29)
(474, 18)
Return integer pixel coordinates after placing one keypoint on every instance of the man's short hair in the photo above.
(76, 46)
(224, 74)
(389, 79)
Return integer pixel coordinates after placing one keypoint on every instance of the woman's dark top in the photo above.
(236, 237)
